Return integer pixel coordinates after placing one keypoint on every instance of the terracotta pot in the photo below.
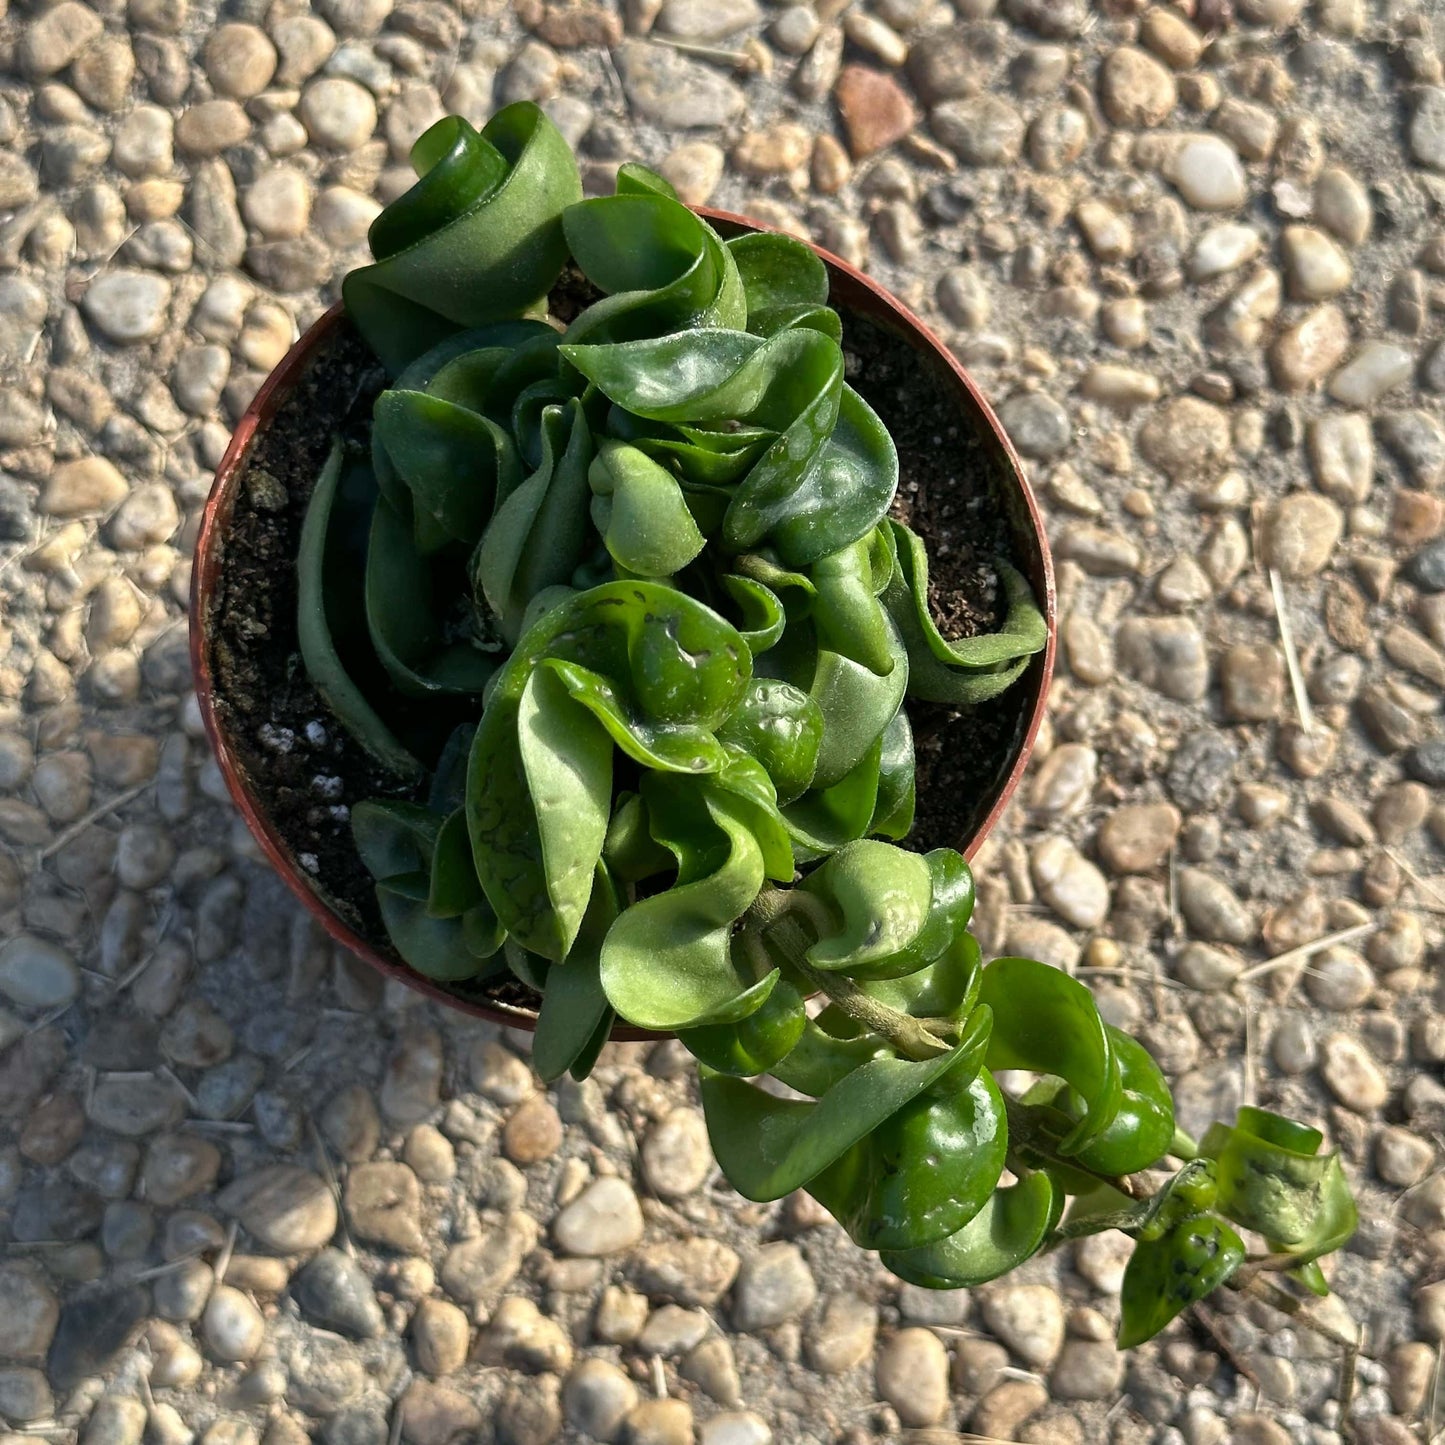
(851, 291)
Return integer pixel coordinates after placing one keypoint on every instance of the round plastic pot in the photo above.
(852, 291)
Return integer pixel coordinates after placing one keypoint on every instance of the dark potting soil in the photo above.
(306, 770)
(949, 494)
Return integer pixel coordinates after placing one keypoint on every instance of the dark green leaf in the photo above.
(768, 1146)
(641, 512)
(924, 1172)
(574, 1006)
(537, 536)
(405, 599)
(539, 790)
(1010, 1228)
(468, 249)
(316, 579)
(1166, 1275)
(669, 962)
(973, 669)
(1046, 1021)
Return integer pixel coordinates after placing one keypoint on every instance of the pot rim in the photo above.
(207, 566)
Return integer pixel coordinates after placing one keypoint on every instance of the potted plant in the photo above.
(558, 623)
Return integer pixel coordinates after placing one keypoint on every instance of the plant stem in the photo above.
(1022, 1131)
(773, 925)
(775, 916)
(1182, 1146)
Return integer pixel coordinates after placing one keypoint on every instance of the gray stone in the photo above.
(673, 91)
(55, 37)
(115, 1420)
(843, 1333)
(773, 1286)
(135, 1107)
(22, 313)
(696, 1271)
(384, 1205)
(36, 974)
(480, 1268)
(912, 1375)
(25, 1394)
(334, 1292)
(981, 130)
(706, 20)
(676, 1157)
(1213, 910)
(178, 1166)
(282, 1206)
(1037, 424)
(233, 1327)
(1029, 1319)
(604, 1219)
(1376, 368)
(338, 113)
(127, 306)
(28, 1322)
(597, 1398)
(1207, 172)
(1427, 129)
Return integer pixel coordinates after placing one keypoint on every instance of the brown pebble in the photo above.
(533, 1133)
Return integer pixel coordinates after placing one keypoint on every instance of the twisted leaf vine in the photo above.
(626, 591)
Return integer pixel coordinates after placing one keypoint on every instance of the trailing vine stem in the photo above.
(783, 923)
(775, 915)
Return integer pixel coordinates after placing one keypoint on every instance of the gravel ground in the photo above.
(1195, 255)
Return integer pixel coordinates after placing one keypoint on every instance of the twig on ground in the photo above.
(1306, 951)
(223, 1260)
(734, 59)
(1291, 657)
(323, 1156)
(1210, 1321)
(95, 814)
(1425, 885)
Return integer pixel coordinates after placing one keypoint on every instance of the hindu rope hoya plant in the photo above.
(616, 593)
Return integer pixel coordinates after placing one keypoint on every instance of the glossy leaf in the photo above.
(641, 513)
(669, 961)
(1272, 1179)
(783, 729)
(661, 266)
(768, 1146)
(320, 572)
(825, 819)
(896, 800)
(756, 1043)
(847, 614)
(1166, 1275)
(1012, 1226)
(406, 611)
(1046, 1021)
(538, 796)
(471, 243)
(536, 538)
(928, 1169)
(971, 670)
(574, 1006)
(452, 462)
(857, 706)
(1139, 1135)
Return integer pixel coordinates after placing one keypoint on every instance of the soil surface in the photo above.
(306, 770)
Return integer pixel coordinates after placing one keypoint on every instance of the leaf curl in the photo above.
(474, 241)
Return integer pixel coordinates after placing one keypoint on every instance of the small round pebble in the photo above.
(604, 1219)
(233, 1326)
(912, 1376)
